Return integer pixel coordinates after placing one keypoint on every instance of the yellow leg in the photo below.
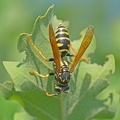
(43, 76)
(40, 75)
(50, 95)
(85, 59)
(39, 52)
(70, 54)
(73, 49)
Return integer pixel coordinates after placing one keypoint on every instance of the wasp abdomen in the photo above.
(63, 40)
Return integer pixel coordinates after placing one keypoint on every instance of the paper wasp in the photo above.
(60, 44)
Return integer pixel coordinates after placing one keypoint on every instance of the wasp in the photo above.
(60, 44)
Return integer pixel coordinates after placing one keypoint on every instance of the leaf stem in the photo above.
(61, 107)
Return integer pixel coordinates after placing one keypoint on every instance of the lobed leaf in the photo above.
(87, 82)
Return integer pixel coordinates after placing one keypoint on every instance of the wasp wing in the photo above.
(84, 45)
(54, 48)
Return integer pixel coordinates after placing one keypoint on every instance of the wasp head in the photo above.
(62, 79)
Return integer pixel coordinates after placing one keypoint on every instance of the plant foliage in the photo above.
(87, 82)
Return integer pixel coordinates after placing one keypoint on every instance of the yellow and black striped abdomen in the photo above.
(63, 40)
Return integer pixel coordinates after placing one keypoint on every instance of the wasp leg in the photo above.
(50, 95)
(73, 55)
(40, 75)
(70, 54)
(43, 76)
(39, 52)
(85, 59)
(73, 49)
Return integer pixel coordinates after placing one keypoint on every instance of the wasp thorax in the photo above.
(63, 77)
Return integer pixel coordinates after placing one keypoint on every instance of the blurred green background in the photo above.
(18, 16)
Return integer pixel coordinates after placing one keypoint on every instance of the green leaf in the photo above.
(23, 116)
(33, 100)
(87, 82)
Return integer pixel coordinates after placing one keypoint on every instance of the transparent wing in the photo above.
(54, 48)
(84, 45)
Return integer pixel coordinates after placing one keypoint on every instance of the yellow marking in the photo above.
(61, 63)
(66, 63)
(63, 80)
(62, 28)
(59, 74)
(59, 44)
(68, 45)
(63, 50)
(61, 33)
(61, 84)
